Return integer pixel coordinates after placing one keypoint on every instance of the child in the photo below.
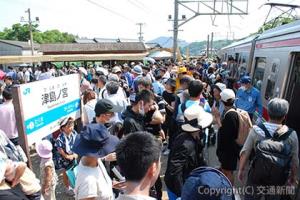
(64, 144)
(48, 176)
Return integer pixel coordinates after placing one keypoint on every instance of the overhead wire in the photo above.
(110, 10)
(134, 4)
(139, 6)
(228, 17)
(141, 3)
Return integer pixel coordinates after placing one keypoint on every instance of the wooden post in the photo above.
(79, 121)
(20, 123)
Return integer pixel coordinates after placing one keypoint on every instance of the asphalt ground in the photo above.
(209, 152)
(60, 189)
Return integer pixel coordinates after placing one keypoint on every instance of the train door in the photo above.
(293, 95)
(259, 72)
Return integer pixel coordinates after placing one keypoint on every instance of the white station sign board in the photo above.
(46, 102)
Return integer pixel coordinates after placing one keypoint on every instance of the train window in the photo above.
(272, 79)
(243, 67)
(259, 72)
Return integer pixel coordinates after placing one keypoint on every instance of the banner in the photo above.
(44, 103)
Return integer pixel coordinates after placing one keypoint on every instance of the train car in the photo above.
(274, 65)
(276, 68)
(241, 51)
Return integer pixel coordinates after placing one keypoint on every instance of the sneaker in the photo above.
(166, 152)
(70, 192)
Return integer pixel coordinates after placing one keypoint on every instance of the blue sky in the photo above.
(119, 18)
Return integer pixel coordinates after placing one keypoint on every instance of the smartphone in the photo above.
(118, 174)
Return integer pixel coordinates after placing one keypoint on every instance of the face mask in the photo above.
(142, 109)
(243, 88)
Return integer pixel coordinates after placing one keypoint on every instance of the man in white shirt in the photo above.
(100, 87)
(20, 75)
(37, 74)
(119, 101)
(138, 157)
(26, 76)
(93, 143)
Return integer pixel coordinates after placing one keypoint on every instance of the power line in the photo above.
(110, 10)
(135, 4)
(229, 22)
(215, 7)
(141, 3)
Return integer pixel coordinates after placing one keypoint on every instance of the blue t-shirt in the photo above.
(158, 88)
(249, 100)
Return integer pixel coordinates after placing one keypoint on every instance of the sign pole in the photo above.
(79, 120)
(17, 102)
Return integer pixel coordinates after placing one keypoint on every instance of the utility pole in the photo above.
(207, 7)
(30, 22)
(175, 29)
(207, 47)
(30, 31)
(140, 33)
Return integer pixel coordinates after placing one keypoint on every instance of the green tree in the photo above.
(17, 32)
(275, 23)
(21, 33)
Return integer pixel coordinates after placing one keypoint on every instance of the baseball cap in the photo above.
(182, 70)
(220, 86)
(245, 80)
(104, 106)
(227, 94)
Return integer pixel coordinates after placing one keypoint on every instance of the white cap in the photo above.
(227, 94)
(221, 86)
(196, 112)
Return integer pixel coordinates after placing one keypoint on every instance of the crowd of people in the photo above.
(135, 113)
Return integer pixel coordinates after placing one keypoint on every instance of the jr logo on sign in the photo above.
(26, 91)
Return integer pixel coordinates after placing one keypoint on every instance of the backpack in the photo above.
(245, 124)
(272, 161)
(180, 116)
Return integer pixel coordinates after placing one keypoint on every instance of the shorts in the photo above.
(228, 162)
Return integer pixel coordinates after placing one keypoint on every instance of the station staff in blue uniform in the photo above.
(248, 98)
